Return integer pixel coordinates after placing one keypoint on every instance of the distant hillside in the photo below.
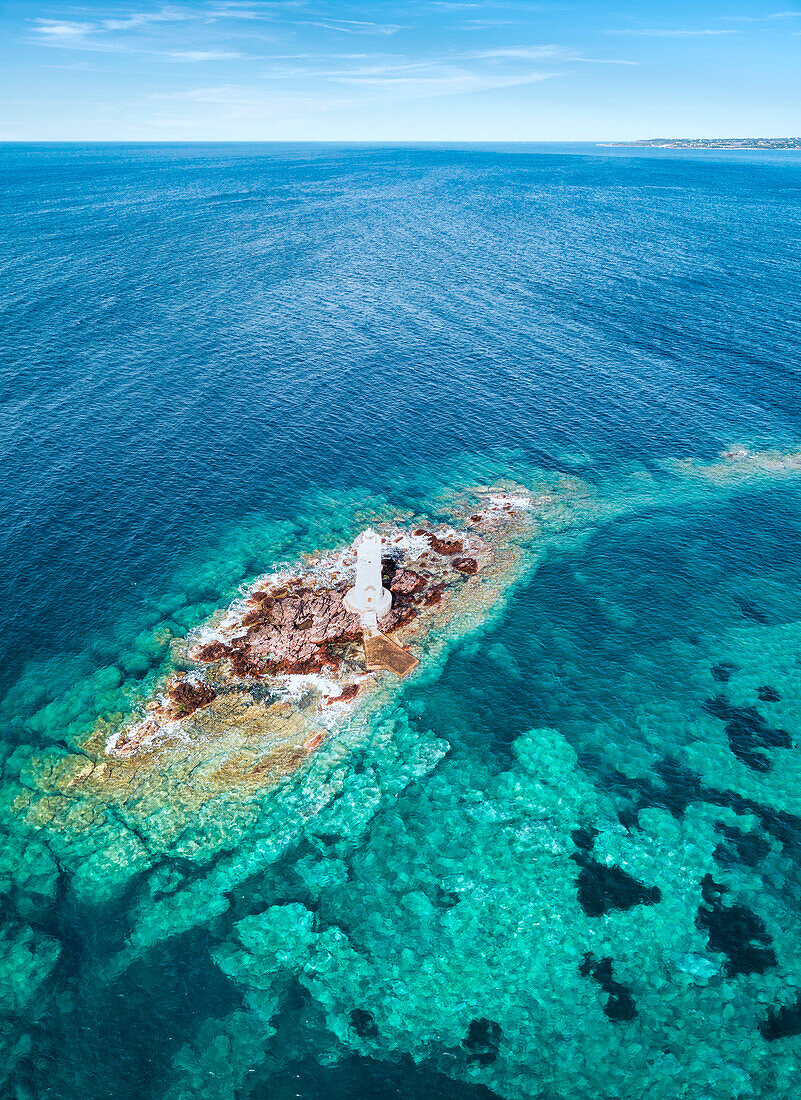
(709, 143)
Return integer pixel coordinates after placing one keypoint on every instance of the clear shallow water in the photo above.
(209, 352)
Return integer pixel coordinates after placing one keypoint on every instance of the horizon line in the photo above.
(389, 141)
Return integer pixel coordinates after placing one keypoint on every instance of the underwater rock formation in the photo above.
(768, 695)
(483, 1041)
(747, 730)
(620, 1005)
(782, 1022)
(735, 931)
(602, 888)
(722, 672)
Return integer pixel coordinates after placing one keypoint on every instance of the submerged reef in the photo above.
(602, 888)
(235, 837)
(620, 1005)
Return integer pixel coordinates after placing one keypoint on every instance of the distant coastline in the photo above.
(706, 143)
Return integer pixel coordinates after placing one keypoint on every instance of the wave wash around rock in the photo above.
(163, 794)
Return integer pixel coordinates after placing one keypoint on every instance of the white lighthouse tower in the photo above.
(368, 598)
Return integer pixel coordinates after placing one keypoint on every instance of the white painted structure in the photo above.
(368, 598)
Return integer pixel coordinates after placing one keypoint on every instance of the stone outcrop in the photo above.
(187, 696)
(294, 630)
(291, 645)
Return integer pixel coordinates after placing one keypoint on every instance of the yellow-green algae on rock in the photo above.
(467, 960)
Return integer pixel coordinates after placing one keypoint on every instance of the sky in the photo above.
(398, 70)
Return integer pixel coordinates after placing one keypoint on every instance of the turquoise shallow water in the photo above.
(562, 860)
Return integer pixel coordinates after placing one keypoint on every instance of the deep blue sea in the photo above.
(210, 355)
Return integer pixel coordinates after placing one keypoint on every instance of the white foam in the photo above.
(413, 545)
(296, 684)
(519, 501)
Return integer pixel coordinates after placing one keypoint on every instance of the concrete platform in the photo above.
(382, 652)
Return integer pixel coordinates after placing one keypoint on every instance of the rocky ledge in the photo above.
(291, 643)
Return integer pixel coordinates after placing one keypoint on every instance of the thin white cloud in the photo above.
(232, 9)
(196, 112)
(139, 19)
(202, 55)
(762, 18)
(604, 61)
(308, 56)
(148, 32)
(446, 84)
(393, 77)
(657, 33)
(542, 53)
(421, 79)
(485, 24)
(354, 26)
(113, 28)
(62, 30)
(525, 53)
(224, 93)
(500, 66)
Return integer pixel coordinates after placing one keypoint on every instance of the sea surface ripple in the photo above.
(202, 343)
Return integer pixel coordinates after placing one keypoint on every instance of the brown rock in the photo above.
(211, 652)
(396, 617)
(187, 697)
(445, 546)
(290, 630)
(349, 691)
(407, 583)
(466, 565)
(434, 595)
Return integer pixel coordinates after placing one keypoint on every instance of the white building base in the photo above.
(368, 596)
